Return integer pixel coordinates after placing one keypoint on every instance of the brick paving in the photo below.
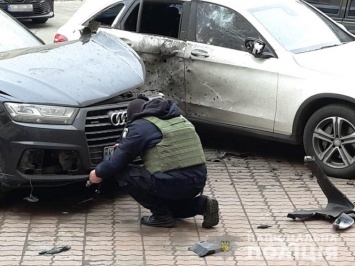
(251, 191)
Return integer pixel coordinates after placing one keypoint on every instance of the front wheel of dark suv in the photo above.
(329, 136)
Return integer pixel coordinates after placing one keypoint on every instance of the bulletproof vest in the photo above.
(179, 148)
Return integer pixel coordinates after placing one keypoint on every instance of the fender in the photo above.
(309, 106)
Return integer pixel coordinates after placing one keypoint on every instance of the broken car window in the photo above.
(161, 19)
(157, 18)
(221, 26)
(107, 17)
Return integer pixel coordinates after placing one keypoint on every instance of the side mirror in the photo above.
(257, 48)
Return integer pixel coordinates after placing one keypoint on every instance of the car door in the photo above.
(155, 29)
(224, 83)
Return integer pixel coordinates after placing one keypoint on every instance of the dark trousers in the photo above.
(164, 194)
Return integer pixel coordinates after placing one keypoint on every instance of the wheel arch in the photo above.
(311, 105)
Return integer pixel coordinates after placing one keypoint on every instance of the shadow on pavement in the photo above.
(213, 139)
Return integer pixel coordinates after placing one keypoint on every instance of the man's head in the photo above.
(134, 107)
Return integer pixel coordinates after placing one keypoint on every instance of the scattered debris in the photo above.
(241, 155)
(85, 200)
(222, 155)
(215, 160)
(310, 175)
(263, 226)
(31, 198)
(274, 169)
(54, 250)
(205, 248)
(338, 203)
(298, 173)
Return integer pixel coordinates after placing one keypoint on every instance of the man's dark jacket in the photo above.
(143, 134)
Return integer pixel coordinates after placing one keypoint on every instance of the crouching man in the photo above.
(174, 171)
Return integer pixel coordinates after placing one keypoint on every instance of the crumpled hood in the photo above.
(78, 73)
(336, 61)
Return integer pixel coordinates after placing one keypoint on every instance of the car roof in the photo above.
(240, 3)
(91, 7)
(244, 4)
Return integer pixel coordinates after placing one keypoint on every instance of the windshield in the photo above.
(299, 28)
(14, 35)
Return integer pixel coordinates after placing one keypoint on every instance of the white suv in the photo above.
(278, 69)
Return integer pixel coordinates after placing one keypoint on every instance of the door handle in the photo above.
(200, 53)
(127, 41)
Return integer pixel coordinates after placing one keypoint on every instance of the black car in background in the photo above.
(37, 10)
(342, 11)
(62, 106)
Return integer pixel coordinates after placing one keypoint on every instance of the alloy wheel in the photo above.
(334, 142)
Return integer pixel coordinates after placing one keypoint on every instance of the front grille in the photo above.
(100, 132)
(42, 8)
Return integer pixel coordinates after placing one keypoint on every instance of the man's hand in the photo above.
(93, 178)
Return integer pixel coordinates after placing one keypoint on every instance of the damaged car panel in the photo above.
(61, 106)
(164, 63)
(55, 78)
(219, 66)
(338, 207)
(158, 44)
(263, 68)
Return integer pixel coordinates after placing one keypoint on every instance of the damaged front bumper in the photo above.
(45, 154)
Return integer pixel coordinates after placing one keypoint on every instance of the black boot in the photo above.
(211, 214)
(158, 220)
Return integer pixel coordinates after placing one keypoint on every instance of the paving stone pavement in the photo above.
(251, 191)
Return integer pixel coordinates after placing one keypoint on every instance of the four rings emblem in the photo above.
(118, 118)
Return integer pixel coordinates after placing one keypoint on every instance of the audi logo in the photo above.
(118, 118)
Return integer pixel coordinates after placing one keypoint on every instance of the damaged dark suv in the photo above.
(61, 106)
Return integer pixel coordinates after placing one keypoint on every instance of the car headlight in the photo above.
(41, 114)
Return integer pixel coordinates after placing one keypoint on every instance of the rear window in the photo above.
(14, 35)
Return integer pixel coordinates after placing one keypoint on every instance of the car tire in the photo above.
(329, 136)
(39, 20)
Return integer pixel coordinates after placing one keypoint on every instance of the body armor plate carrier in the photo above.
(179, 148)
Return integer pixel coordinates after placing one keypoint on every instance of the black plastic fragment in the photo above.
(263, 226)
(338, 203)
(205, 248)
(54, 250)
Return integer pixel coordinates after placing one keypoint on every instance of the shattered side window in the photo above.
(160, 18)
(221, 26)
(107, 17)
